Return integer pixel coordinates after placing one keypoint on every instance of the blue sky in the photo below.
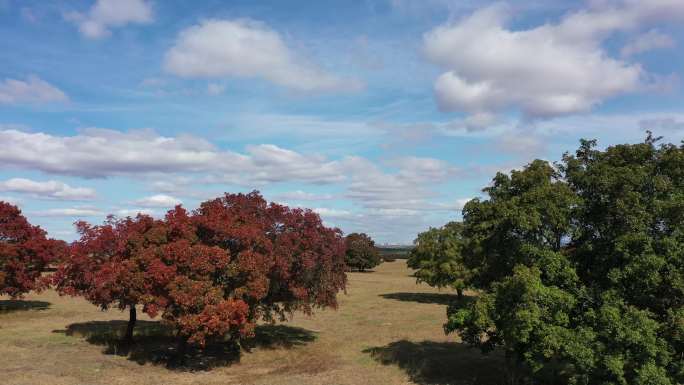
(383, 116)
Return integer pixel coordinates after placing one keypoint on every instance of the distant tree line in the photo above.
(578, 267)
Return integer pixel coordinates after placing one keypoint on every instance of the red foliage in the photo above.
(235, 260)
(106, 265)
(25, 251)
(283, 259)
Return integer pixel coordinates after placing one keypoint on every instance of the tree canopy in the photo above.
(213, 272)
(580, 267)
(438, 257)
(25, 252)
(361, 252)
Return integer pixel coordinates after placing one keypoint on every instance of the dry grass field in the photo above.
(387, 330)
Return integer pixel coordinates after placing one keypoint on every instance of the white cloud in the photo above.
(333, 213)
(106, 14)
(75, 212)
(134, 212)
(97, 153)
(300, 195)
(171, 185)
(649, 41)
(101, 152)
(215, 89)
(271, 163)
(423, 170)
(405, 189)
(245, 48)
(47, 189)
(546, 71)
(159, 200)
(31, 90)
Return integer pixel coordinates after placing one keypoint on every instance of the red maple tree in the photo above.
(211, 273)
(283, 259)
(107, 266)
(238, 259)
(186, 276)
(25, 252)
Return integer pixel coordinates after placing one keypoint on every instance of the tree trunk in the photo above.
(132, 318)
(181, 350)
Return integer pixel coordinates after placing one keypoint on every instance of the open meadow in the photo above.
(387, 330)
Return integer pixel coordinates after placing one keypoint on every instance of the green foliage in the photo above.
(437, 257)
(581, 267)
(361, 252)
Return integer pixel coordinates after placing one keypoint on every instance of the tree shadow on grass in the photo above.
(436, 298)
(279, 337)
(155, 343)
(432, 363)
(11, 305)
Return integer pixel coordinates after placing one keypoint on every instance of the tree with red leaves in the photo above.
(186, 285)
(213, 273)
(282, 259)
(107, 266)
(25, 252)
(238, 259)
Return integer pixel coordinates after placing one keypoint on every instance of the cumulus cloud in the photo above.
(159, 200)
(246, 48)
(47, 189)
(649, 41)
(545, 71)
(406, 189)
(31, 90)
(398, 188)
(274, 164)
(99, 153)
(107, 14)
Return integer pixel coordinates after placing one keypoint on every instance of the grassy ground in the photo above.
(387, 330)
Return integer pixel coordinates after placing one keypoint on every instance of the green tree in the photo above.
(361, 252)
(581, 267)
(437, 258)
